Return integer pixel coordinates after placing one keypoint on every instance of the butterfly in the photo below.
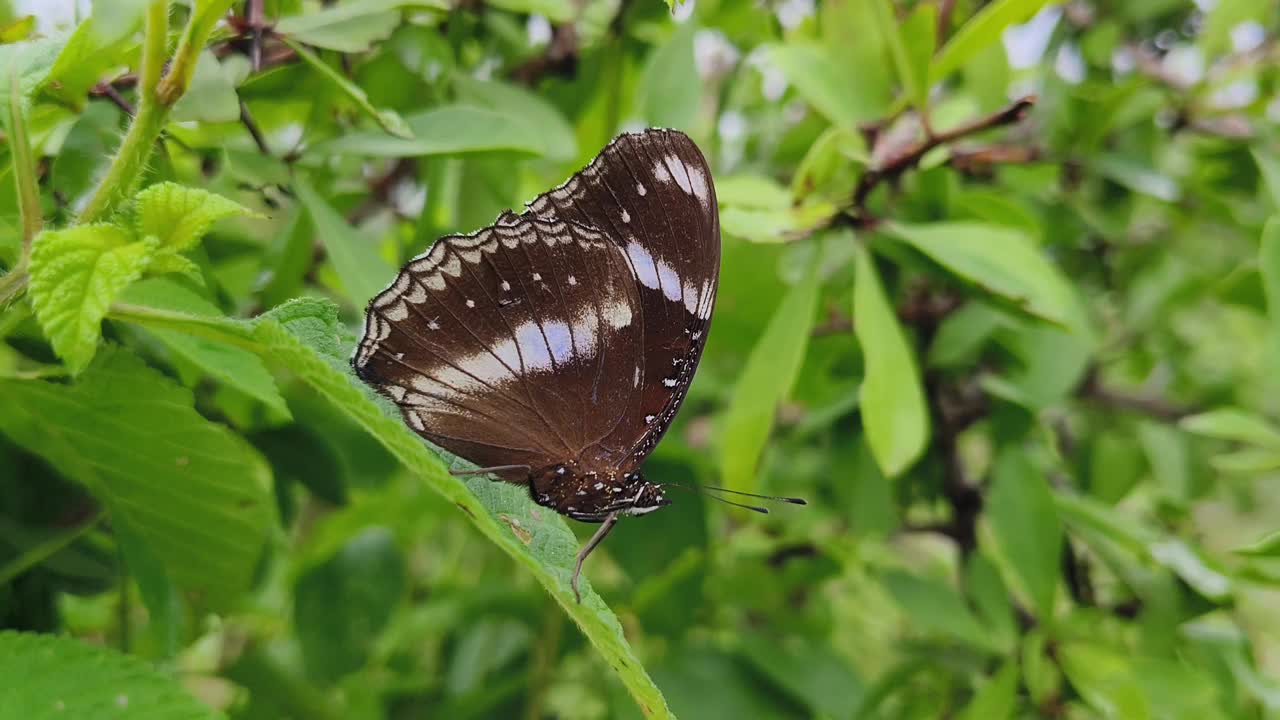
(554, 347)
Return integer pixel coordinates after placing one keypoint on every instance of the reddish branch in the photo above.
(910, 157)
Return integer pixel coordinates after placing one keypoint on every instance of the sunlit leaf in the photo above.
(894, 415)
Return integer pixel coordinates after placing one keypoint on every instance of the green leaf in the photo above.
(911, 46)
(75, 275)
(937, 609)
(1269, 267)
(303, 335)
(341, 605)
(1269, 166)
(776, 226)
(1268, 547)
(894, 415)
(351, 26)
(193, 491)
(765, 381)
(98, 44)
(1000, 260)
(997, 699)
(541, 117)
(362, 271)
(981, 32)
(389, 120)
(212, 96)
(48, 677)
(825, 84)
(231, 365)
(1234, 424)
(557, 11)
(751, 191)
(812, 672)
(444, 130)
(671, 87)
(1025, 523)
(179, 216)
(1104, 678)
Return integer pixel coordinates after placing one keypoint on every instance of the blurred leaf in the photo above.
(1138, 177)
(751, 191)
(997, 699)
(137, 438)
(212, 96)
(711, 685)
(824, 84)
(809, 670)
(17, 29)
(894, 415)
(962, 334)
(1269, 267)
(351, 26)
(1025, 523)
(1268, 547)
(85, 153)
(671, 87)
(776, 226)
(1269, 166)
(96, 46)
(1104, 679)
(389, 120)
(937, 609)
(543, 118)
(981, 31)
(342, 605)
(75, 275)
(231, 365)
(999, 260)
(558, 11)
(50, 677)
(443, 130)
(910, 46)
(765, 381)
(363, 272)
(1234, 424)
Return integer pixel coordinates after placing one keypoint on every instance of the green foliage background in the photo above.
(999, 297)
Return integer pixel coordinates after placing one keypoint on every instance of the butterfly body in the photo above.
(556, 345)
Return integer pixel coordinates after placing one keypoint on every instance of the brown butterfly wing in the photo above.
(652, 193)
(516, 345)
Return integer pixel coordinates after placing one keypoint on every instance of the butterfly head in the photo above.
(593, 496)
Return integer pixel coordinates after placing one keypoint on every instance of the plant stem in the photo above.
(24, 168)
(159, 91)
(126, 168)
(223, 330)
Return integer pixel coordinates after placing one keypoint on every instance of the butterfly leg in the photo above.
(595, 540)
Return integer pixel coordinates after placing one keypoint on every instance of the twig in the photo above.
(1152, 406)
(108, 91)
(895, 166)
(253, 13)
(944, 19)
(247, 120)
(560, 57)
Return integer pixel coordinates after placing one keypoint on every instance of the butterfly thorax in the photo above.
(592, 496)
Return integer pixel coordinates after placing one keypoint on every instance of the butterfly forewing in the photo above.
(511, 346)
(652, 193)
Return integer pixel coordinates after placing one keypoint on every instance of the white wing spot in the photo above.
(640, 189)
(597, 486)
(433, 325)
(471, 303)
(635, 380)
(506, 285)
(669, 382)
(680, 174)
(537, 277)
(573, 280)
(661, 173)
(648, 419)
(626, 216)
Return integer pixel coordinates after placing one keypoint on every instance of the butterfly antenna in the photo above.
(776, 498)
(487, 470)
(700, 490)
